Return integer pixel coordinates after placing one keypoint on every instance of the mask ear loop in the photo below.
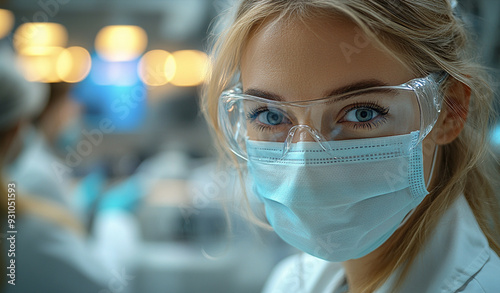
(440, 78)
(434, 159)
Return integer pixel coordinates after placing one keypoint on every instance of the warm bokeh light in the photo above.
(157, 68)
(40, 51)
(170, 68)
(73, 64)
(6, 22)
(41, 68)
(121, 42)
(35, 36)
(55, 64)
(191, 67)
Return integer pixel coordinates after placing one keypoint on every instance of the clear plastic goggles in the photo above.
(368, 113)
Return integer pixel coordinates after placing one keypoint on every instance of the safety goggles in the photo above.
(368, 113)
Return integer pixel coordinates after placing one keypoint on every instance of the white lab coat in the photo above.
(34, 173)
(457, 258)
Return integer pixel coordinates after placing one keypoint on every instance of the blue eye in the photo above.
(268, 117)
(271, 117)
(365, 116)
(362, 114)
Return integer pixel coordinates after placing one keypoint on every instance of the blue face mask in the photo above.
(343, 207)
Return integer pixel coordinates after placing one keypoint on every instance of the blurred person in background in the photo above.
(53, 252)
(43, 167)
(362, 128)
(34, 165)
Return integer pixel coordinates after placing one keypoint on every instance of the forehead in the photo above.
(301, 60)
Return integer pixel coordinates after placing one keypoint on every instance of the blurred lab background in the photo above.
(115, 147)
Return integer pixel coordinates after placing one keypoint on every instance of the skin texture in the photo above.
(302, 61)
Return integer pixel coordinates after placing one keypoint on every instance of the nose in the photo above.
(304, 133)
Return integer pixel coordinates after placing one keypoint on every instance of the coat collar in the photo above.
(456, 251)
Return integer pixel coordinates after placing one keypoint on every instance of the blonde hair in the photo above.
(427, 36)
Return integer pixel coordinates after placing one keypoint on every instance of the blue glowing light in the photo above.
(495, 137)
(114, 91)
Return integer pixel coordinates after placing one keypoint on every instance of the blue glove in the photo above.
(89, 189)
(124, 196)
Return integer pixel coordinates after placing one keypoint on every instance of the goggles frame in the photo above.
(426, 90)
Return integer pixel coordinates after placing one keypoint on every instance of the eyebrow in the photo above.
(344, 91)
(264, 94)
(356, 86)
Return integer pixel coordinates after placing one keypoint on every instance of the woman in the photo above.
(361, 126)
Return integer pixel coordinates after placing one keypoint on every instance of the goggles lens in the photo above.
(369, 113)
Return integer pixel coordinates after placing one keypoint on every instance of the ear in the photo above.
(453, 114)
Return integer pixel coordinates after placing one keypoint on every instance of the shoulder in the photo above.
(301, 273)
(487, 280)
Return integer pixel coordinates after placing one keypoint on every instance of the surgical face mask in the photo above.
(338, 208)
